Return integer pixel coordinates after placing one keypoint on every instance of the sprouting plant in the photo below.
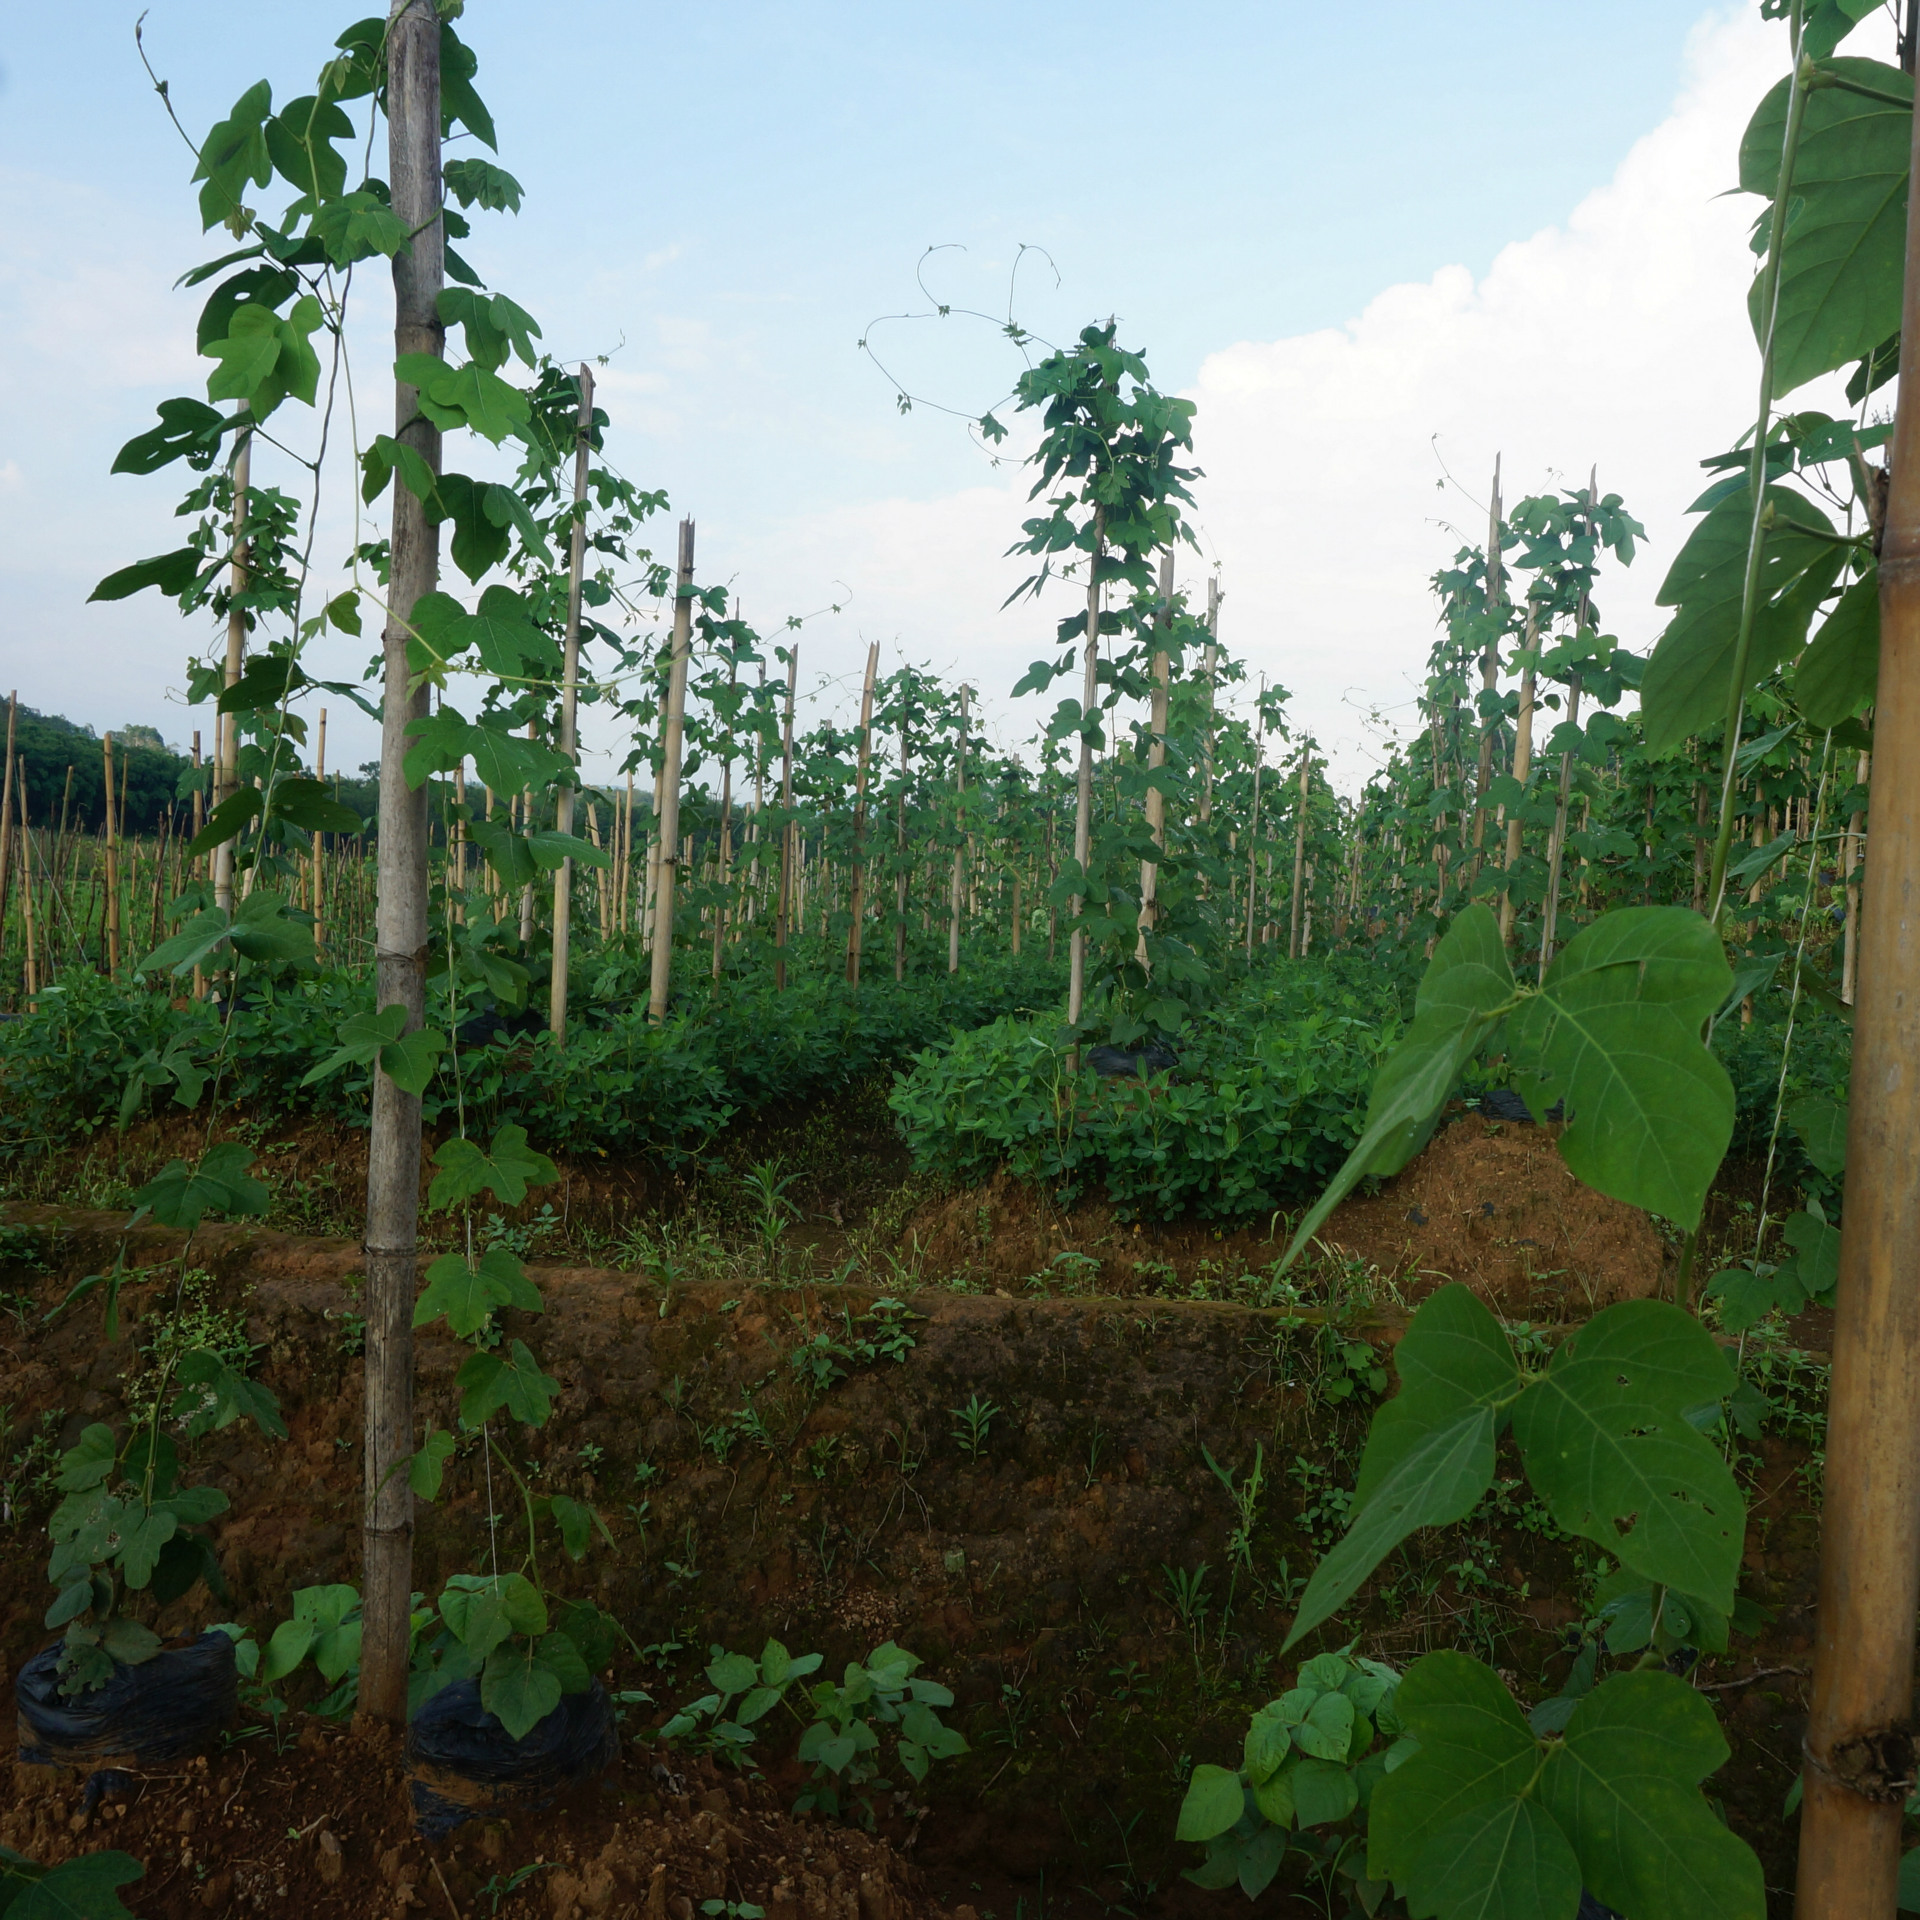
(502, 1885)
(766, 1187)
(971, 1425)
(1187, 1595)
(1246, 1502)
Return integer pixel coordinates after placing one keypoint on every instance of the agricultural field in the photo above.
(854, 1324)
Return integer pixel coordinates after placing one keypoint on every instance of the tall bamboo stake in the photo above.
(667, 800)
(784, 908)
(400, 913)
(900, 855)
(1522, 763)
(859, 889)
(1083, 790)
(1849, 864)
(6, 811)
(1299, 849)
(1859, 1744)
(1156, 801)
(26, 891)
(569, 705)
(1253, 837)
(319, 847)
(957, 895)
(112, 859)
(723, 835)
(1489, 674)
(226, 731)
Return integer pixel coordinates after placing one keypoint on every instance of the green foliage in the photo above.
(713, 1724)
(1603, 1429)
(1612, 1032)
(83, 1888)
(1487, 1816)
(1265, 1101)
(1312, 1764)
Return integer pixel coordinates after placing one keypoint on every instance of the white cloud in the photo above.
(1619, 340)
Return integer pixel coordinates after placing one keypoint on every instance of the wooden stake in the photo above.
(226, 731)
(667, 800)
(26, 891)
(6, 814)
(569, 703)
(113, 861)
(1849, 863)
(859, 891)
(1489, 674)
(319, 847)
(1156, 801)
(400, 910)
(784, 907)
(1522, 763)
(1859, 1745)
(956, 899)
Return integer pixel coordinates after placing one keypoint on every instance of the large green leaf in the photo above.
(504, 1169)
(1505, 1859)
(1624, 1787)
(83, 1888)
(1614, 1033)
(490, 1381)
(1429, 1456)
(1466, 985)
(1685, 687)
(1213, 1803)
(1475, 1750)
(1845, 247)
(1609, 1449)
(468, 1294)
(1821, 1124)
(1839, 673)
(519, 1688)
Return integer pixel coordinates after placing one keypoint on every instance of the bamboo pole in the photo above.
(1299, 849)
(1489, 675)
(400, 913)
(1859, 1744)
(784, 909)
(1253, 838)
(900, 878)
(1083, 790)
(1522, 763)
(723, 834)
(667, 800)
(26, 892)
(6, 811)
(226, 728)
(569, 713)
(957, 896)
(1156, 801)
(112, 860)
(859, 887)
(319, 847)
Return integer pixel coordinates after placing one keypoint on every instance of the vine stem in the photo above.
(1757, 481)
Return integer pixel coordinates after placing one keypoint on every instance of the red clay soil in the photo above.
(1489, 1203)
(323, 1828)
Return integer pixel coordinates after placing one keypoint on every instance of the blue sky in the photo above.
(722, 197)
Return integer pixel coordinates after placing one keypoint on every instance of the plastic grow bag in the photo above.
(161, 1710)
(461, 1762)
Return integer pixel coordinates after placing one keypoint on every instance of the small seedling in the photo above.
(971, 1424)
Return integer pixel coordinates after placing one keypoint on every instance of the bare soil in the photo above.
(1038, 1573)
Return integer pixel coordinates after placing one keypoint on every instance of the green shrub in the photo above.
(1265, 1104)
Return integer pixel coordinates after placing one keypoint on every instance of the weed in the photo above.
(503, 1884)
(193, 1321)
(33, 1468)
(972, 1424)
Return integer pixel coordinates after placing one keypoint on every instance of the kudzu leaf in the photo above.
(1839, 672)
(362, 1037)
(1610, 1451)
(574, 1518)
(218, 1393)
(558, 1654)
(487, 1382)
(1684, 690)
(1614, 1033)
(518, 1688)
(291, 1642)
(427, 1468)
(1323, 1790)
(1821, 1124)
(189, 430)
(1624, 1788)
(1845, 247)
(1504, 1860)
(359, 226)
(308, 805)
(409, 1062)
(1816, 1247)
(1259, 1861)
(1475, 1751)
(505, 1169)
(173, 573)
(468, 1294)
(180, 1196)
(1213, 1803)
(1429, 1455)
